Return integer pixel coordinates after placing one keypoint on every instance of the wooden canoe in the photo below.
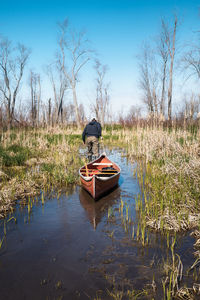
(99, 176)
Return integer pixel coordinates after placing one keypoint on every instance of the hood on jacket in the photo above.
(92, 122)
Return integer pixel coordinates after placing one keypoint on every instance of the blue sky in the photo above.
(115, 28)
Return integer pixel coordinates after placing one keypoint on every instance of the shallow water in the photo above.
(74, 248)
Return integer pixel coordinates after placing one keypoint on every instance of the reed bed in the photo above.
(34, 160)
(168, 171)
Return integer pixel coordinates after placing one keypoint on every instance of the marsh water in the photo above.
(71, 247)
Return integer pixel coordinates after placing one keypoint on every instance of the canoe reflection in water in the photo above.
(96, 210)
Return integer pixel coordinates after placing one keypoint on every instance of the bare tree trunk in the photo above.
(163, 49)
(32, 106)
(76, 107)
(170, 97)
(105, 106)
(9, 120)
(32, 99)
(155, 104)
(55, 97)
(102, 97)
(60, 110)
(148, 79)
(39, 100)
(12, 68)
(49, 112)
(172, 53)
(35, 86)
(162, 102)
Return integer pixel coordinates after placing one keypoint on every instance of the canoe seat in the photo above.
(102, 164)
(103, 178)
(86, 177)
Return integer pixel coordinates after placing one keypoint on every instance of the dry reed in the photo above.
(53, 162)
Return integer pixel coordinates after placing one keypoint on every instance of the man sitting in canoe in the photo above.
(90, 136)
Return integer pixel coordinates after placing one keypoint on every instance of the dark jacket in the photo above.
(92, 129)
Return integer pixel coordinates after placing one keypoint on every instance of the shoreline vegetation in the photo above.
(34, 162)
(168, 172)
(168, 168)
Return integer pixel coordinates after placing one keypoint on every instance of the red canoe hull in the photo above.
(92, 182)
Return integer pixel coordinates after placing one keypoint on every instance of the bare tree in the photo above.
(69, 113)
(12, 64)
(164, 54)
(102, 97)
(149, 80)
(170, 40)
(22, 113)
(134, 114)
(81, 113)
(191, 60)
(35, 87)
(73, 55)
(59, 85)
(191, 107)
(49, 111)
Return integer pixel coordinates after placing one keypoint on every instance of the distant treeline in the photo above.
(156, 64)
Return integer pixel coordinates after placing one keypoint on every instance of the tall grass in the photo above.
(168, 172)
(31, 160)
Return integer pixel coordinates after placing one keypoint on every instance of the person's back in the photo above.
(90, 136)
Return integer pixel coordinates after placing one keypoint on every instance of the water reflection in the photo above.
(95, 210)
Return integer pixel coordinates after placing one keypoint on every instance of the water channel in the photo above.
(71, 247)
